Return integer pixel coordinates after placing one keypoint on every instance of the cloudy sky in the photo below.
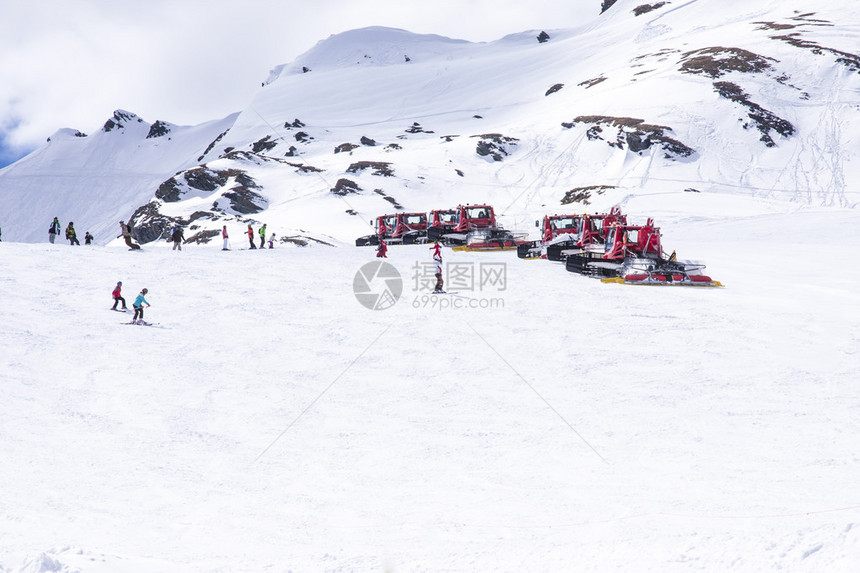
(71, 63)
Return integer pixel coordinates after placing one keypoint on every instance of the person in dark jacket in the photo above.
(54, 230)
(126, 234)
(88, 239)
(177, 237)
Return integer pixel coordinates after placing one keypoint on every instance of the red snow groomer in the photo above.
(400, 228)
(554, 226)
(441, 222)
(477, 230)
(633, 254)
(590, 230)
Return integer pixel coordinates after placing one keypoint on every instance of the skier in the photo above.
(71, 235)
(117, 296)
(54, 230)
(88, 239)
(263, 236)
(138, 307)
(437, 250)
(224, 236)
(177, 237)
(126, 234)
(250, 233)
(272, 241)
(381, 250)
(437, 259)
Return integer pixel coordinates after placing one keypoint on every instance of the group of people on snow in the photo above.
(71, 234)
(137, 305)
(250, 232)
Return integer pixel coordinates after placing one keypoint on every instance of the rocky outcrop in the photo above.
(763, 120)
(345, 187)
(631, 133)
(583, 194)
(119, 120)
(158, 129)
(381, 168)
(495, 145)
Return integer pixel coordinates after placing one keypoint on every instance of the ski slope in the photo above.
(272, 423)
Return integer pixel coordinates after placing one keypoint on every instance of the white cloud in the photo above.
(70, 63)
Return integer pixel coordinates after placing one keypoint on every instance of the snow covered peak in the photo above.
(121, 119)
(371, 46)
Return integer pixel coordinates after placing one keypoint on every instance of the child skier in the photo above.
(272, 241)
(138, 307)
(250, 233)
(117, 297)
(88, 239)
(381, 250)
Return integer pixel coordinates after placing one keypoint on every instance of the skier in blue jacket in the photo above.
(138, 307)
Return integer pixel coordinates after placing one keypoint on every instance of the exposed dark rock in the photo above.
(606, 5)
(543, 37)
(459, 172)
(592, 82)
(379, 168)
(203, 236)
(296, 123)
(449, 138)
(204, 179)
(645, 8)
(554, 89)
(148, 224)
(495, 145)
(264, 144)
(762, 119)
(242, 196)
(715, 62)
(392, 147)
(169, 191)
(388, 198)
(213, 144)
(302, 168)
(416, 128)
(367, 141)
(119, 120)
(849, 60)
(583, 194)
(345, 187)
(345, 147)
(305, 69)
(303, 137)
(351, 212)
(634, 133)
(293, 152)
(158, 129)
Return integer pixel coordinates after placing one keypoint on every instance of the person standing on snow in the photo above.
(382, 250)
(71, 235)
(88, 239)
(177, 237)
(272, 241)
(224, 236)
(117, 296)
(54, 230)
(437, 260)
(250, 233)
(138, 307)
(263, 236)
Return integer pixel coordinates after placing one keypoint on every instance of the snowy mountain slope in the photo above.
(98, 179)
(560, 424)
(753, 99)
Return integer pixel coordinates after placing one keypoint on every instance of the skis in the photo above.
(153, 324)
(119, 309)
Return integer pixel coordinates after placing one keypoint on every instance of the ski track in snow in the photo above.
(727, 417)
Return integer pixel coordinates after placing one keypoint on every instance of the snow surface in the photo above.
(272, 423)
